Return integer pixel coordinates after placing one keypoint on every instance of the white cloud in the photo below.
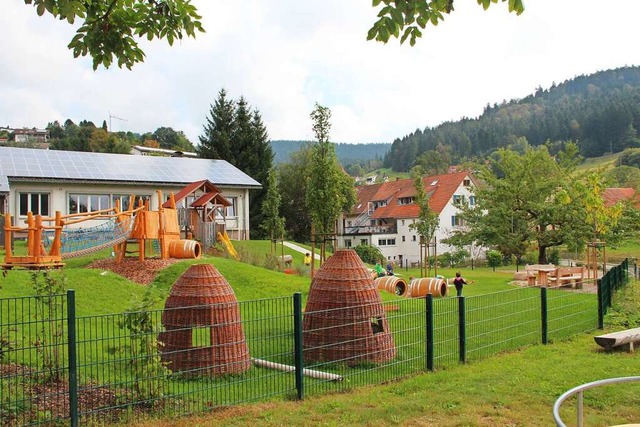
(284, 56)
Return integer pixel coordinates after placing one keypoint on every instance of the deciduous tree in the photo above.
(329, 189)
(536, 198)
(405, 19)
(110, 29)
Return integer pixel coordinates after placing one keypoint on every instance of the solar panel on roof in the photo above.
(115, 167)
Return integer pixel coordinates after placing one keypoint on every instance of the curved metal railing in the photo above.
(579, 390)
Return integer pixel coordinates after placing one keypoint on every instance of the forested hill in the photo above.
(347, 153)
(600, 111)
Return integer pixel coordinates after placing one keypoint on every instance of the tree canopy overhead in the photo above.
(405, 19)
(110, 28)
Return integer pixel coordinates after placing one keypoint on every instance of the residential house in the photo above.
(383, 213)
(46, 181)
(30, 135)
(612, 196)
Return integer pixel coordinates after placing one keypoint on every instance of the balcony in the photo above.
(371, 229)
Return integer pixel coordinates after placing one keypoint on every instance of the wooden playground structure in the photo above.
(50, 240)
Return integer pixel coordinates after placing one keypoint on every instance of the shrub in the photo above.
(369, 254)
(494, 259)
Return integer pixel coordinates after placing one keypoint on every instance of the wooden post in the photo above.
(7, 237)
(56, 246)
(37, 237)
(30, 232)
(142, 239)
(161, 231)
(313, 251)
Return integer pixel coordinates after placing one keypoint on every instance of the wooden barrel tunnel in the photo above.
(185, 249)
(392, 284)
(427, 285)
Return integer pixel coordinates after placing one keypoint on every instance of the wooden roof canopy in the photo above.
(211, 194)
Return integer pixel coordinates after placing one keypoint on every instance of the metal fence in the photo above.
(57, 367)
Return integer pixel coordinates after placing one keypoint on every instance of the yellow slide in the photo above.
(224, 238)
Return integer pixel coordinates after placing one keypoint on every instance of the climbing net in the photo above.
(82, 241)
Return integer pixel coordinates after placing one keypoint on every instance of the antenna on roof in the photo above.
(111, 116)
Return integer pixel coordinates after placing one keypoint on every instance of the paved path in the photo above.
(299, 249)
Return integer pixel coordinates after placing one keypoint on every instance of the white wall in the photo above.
(409, 250)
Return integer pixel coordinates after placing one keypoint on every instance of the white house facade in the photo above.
(384, 212)
(46, 181)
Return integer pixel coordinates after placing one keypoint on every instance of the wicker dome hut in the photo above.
(344, 318)
(203, 330)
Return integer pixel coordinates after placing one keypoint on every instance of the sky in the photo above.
(284, 56)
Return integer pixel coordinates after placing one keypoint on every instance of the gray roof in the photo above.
(39, 165)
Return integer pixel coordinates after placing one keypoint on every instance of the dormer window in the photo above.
(434, 182)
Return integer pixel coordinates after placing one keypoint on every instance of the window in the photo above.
(233, 209)
(124, 201)
(391, 242)
(458, 199)
(79, 203)
(466, 182)
(403, 222)
(37, 203)
(456, 221)
(403, 239)
(347, 243)
(364, 241)
(414, 238)
(382, 242)
(472, 200)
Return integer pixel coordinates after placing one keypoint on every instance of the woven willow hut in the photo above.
(344, 318)
(203, 330)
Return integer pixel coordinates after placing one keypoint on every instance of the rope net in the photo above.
(83, 241)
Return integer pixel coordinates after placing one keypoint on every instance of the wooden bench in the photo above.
(532, 271)
(621, 338)
(568, 276)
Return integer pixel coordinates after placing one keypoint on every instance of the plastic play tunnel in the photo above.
(185, 249)
(391, 284)
(428, 285)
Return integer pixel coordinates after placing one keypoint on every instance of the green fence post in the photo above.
(462, 339)
(600, 304)
(297, 334)
(543, 315)
(71, 349)
(429, 313)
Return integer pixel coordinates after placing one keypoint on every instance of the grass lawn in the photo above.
(517, 388)
(499, 390)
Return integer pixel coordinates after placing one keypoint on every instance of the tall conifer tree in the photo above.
(236, 134)
(216, 142)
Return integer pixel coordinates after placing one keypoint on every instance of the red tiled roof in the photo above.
(612, 196)
(440, 187)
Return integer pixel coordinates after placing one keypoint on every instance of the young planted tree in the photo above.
(428, 220)
(329, 189)
(272, 223)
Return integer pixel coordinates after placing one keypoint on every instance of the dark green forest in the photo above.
(601, 112)
(347, 153)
